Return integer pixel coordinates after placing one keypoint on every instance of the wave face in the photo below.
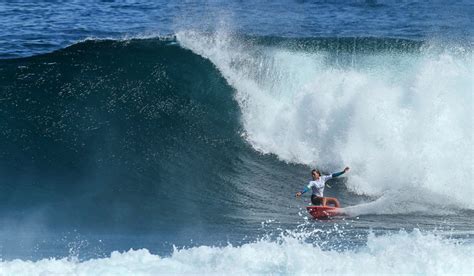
(121, 134)
(398, 112)
(402, 253)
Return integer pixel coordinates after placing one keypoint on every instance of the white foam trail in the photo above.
(395, 202)
(403, 122)
(402, 253)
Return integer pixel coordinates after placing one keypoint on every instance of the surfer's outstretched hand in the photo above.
(298, 194)
(346, 169)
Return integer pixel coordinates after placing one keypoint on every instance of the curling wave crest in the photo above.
(400, 117)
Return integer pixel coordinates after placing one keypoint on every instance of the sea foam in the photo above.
(401, 253)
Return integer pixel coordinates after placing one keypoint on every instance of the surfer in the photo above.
(317, 185)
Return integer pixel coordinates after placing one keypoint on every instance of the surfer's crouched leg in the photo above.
(316, 200)
(331, 201)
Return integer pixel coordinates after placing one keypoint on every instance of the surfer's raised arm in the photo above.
(346, 169)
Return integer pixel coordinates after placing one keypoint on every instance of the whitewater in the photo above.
(401, 120)
(401, 253)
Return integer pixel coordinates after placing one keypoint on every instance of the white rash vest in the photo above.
(318, 185)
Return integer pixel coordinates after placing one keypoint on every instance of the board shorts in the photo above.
(316, 200)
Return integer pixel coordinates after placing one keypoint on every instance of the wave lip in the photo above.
(401, 253)
(401, 117)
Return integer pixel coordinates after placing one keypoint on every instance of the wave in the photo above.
(398, 112)
(399, 253)
(140, 134)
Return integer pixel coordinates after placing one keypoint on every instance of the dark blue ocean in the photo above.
(154, 137)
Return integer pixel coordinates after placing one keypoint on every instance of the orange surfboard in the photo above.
(319, 212)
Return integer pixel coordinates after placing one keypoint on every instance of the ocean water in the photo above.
(147, 137)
